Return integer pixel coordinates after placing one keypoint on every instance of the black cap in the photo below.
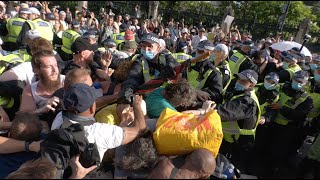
(89, 34)
(272, 76)
(50, 16)
(249, 75)
(123, 27)
(208, 45)
(75, 23)
(80, 97)
(109, 42)
(295, 49)
(150, 38)
(248, 43)
(301, 76)
(286, 55)
(79, 45)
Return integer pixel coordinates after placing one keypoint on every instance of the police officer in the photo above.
(204, 76)
(240, 60)
(314, 91)
(150, 64)
(240, 116)
(36, 23)
(219, 56)
(289, 67)
(182, 55)
(267, 93)
(14, 26)
(68, 38)
(293, 106)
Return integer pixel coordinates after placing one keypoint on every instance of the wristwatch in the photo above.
(26, 146)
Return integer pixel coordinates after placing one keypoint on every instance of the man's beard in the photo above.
(50, 85)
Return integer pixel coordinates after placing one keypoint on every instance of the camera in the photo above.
(306, 37)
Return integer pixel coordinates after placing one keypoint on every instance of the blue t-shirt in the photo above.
(156, 103)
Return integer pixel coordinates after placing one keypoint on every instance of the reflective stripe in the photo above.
(68, 38)
(235, 62)
(292, 70)
(286, 102)
(193, 78)
(226, 68)
(232, 128)
(43, 27)
(14, 27)
(181, 57)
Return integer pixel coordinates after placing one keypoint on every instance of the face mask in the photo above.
(239, 87)
(317, 77)
(269, 86)
(313, 66)
(149, 55)
(296, 86)
(285, 65)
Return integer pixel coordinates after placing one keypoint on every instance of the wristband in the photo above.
(26, 146)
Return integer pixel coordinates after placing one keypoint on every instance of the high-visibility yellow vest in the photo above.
(68, 38)
(264, 105)
(315, 111)
(231, 129)
(181, 57)
(227, 71)
(286, 101)
(145, 67)
(118, 38)
(24, 55)
(5, 61)
(293, 69)
(43, 27)
(195, 81)
(14, 26)
(235, 62)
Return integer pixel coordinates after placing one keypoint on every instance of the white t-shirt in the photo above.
(25, 73)
(105, 136)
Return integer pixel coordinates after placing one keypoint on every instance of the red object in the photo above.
(129, 35)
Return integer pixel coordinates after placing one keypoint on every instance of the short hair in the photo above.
(26, 127)
(39, 44)
(139, 154)
(41, 168)
(202, 160)
(122, 72)
(181, 90)
(76, 76)
(36, 57)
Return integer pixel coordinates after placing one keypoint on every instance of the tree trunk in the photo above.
(153, 9)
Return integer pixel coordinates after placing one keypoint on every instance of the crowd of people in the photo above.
(111, 76)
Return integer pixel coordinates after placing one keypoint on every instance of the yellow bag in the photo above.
(178, 134)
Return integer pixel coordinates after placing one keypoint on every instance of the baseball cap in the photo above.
(25, 11)
(150, 38)
(32, 34)
(130, 45)
(300, 55)
(273, 77)
(80, 97)
(167, 30)
(109, 43)
(79, 45)
(248, 43)
(208, 45)
(75, 23)
(89, 34)
(34, 10)
(201, 45)
(286, 55)
(184, 30)
(123, 27)
(128, 35)
(249, 75)
(223, 48)
(302, 76)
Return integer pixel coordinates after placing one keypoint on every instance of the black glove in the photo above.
(167, 72)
